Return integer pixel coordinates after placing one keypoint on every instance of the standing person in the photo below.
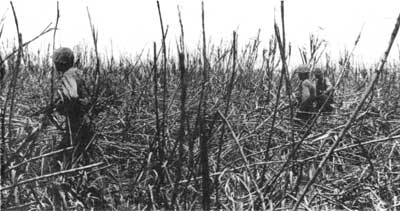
(324, 90)
(73, 103)
(305, 95)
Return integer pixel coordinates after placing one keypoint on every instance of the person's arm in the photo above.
(329, 86)
(61, 104)
(67, 93)
(312, 90)
(306, 92)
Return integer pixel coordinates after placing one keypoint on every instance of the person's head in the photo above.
(318, 73)
(303, 72)
(63, 59)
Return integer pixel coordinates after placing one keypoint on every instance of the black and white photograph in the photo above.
(199, 105)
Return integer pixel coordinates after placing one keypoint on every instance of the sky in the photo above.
(129, 26)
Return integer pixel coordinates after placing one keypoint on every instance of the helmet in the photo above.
(302, 70)
(318, 71)
(63, 56)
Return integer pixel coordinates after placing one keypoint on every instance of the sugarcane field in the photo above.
(200, 105)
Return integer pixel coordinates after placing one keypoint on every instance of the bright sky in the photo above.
(130, 26)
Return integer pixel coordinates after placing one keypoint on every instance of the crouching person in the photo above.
(324, 91)
(73, 103)
(305, 94)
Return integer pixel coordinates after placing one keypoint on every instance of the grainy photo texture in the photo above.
(199, 105)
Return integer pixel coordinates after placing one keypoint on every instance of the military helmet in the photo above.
(302, 70)
(318, 71)
(63, 56)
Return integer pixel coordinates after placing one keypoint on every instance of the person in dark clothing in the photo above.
(73, 104)
(324, 91)
(305, 95)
